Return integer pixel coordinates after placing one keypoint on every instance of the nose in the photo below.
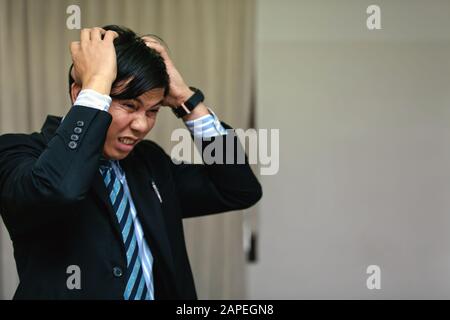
(140, 123)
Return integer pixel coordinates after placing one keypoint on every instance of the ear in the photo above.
(74, 91)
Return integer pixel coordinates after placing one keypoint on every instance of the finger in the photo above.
(85, 35)
(74, 46)
(74, 75)
(96, 33)
(150, 39)
(152, 43)
(110, 35)
(156, 43)
(154, 38)
(158, 47)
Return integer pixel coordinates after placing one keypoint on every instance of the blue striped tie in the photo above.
(136, 288)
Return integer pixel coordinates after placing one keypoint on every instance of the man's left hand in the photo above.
(179, 92)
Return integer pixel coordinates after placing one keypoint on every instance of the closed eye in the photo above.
(128, 106)
(153, 111)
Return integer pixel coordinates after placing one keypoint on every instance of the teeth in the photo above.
(126, 141)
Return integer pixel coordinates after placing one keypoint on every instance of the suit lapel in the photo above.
(148, 207)
(99, 188)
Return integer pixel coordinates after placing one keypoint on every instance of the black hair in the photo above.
(140, 67)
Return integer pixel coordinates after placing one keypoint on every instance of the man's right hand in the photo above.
(94, 60)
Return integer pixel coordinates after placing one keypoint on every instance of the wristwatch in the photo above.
(189, 104)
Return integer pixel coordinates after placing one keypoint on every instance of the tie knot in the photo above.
(105, 165)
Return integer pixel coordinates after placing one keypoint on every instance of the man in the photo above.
(87, 193)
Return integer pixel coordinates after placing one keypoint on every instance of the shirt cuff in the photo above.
(206, 127)
(92, 99)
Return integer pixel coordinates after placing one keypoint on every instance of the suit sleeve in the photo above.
(63, 172)
(219, 187)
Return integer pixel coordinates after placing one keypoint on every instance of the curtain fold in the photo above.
(211, 43)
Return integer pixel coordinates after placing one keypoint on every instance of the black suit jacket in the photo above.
(57, 211)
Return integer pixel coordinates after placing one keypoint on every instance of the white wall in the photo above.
(364, 119)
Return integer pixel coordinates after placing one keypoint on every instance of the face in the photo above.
(131, 121)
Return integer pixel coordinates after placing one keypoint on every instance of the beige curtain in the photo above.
(211, 42)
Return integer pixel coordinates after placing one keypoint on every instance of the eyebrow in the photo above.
(152, 107)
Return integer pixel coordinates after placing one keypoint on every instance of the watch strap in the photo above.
(189, 105)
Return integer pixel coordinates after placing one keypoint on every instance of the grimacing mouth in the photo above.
(128, 140)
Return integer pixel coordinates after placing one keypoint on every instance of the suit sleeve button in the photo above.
(74, 137)
(72, 145)
(77, 130)
(80, 123)
(117, 272)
